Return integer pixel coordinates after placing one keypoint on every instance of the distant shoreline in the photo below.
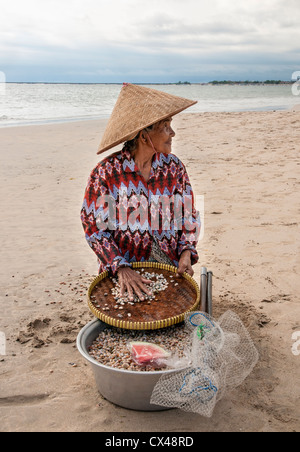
(212, 83)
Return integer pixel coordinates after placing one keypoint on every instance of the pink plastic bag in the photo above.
(148, 354)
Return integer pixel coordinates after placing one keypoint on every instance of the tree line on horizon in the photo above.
(249, 82)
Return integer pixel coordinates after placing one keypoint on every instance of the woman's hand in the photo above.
(185, 264)
(133, 282)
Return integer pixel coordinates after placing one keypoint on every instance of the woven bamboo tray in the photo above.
(170, 308)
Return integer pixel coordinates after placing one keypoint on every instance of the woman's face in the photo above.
(161, 136)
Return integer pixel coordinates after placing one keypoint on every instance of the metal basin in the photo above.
(125, 388)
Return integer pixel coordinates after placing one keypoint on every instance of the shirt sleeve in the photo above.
(190, 224)
(98, 223)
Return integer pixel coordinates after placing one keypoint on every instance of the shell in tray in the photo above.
(181, 295)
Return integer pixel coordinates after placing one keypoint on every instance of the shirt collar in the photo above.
(130, 166)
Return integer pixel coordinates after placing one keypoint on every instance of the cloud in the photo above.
(111, 39)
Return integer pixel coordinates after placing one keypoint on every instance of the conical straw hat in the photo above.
(138, 107)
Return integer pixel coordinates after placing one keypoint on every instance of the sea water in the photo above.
(25, 103)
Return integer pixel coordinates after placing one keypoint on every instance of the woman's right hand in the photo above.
(133, 282)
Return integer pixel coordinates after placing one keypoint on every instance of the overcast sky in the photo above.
(158, 40)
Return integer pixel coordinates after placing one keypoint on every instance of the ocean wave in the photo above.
(13, 118)
(9, 121)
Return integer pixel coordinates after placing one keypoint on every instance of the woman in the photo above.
(135, 198)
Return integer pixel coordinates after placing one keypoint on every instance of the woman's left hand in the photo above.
(185, 264)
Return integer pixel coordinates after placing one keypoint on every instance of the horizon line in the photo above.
(185, 83)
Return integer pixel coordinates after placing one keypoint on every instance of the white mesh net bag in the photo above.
(222, 355)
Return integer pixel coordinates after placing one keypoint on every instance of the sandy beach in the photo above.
(247, 166)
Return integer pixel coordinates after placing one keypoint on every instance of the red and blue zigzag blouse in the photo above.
(122, 213)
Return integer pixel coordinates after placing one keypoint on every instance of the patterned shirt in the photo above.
(122, 213)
